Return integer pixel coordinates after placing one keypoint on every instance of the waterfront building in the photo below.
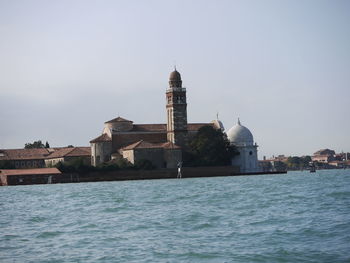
(42, 157)
(242, 139)
(323, 156)
(27, 176)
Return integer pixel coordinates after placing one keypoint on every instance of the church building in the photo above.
(159, 143)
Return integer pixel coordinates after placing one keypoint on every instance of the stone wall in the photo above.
(100, 152)
(155, 155)
(172, 157)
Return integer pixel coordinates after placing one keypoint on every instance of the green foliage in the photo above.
(47, 145)
(123, 164)
(108, 167)
(298, 163)
(35, 144)
(75, 166)
(209, 147)
(5, 164)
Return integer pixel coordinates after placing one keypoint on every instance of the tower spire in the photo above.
(239, 122)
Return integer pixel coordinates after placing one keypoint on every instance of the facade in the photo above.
(242, 139)
(27, 176)
(159, 143)
(160, 154)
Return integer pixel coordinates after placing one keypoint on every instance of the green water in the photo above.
(295, 217)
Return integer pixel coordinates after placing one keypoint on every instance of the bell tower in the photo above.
(176, 107)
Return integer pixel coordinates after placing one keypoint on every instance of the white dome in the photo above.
(240, 135)
(218, 124)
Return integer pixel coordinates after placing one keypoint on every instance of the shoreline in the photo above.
(126, 175)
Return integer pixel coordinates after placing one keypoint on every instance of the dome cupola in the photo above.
(240, 135)
(175, 79)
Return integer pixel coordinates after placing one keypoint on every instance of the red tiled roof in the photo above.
(141, 144)
(118, 119)
(169, 145)
(102, 138)
(149, 127)
(162, 127)
(24, 154)
(70, 152)
(39, 153)
(30, 171)
(145, 145)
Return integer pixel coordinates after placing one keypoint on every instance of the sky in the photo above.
(282, 67)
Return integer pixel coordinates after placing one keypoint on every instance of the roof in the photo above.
(141, 145)
(70, 152)
(162, 127)
(175, 76)
(240, 135)
(24, 154)
(38, 171)
(118, 119)
(324, 152)
(102, 138)
(169, 145)
(147, 145)
(149, 128)
(41, 153)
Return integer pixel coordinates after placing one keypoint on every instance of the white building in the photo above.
(242, 138)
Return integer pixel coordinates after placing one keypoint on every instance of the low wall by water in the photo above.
(187, 172)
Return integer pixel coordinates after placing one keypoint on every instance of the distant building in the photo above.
(325, 152)
(25, 158)
(242, 139)
(323, 156)
(42, 157)
(27, 176)
(68, 154)
(159, 143)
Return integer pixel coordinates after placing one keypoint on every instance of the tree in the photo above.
(35, 144)
(297, 163)
(77, 165)
(47, 145)
(209, 147)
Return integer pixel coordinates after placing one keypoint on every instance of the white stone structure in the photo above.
(242, 138)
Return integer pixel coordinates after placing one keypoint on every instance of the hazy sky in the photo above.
(282, 66)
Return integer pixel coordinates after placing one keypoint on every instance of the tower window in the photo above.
(250, 153)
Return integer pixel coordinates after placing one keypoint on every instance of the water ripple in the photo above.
(270, 218)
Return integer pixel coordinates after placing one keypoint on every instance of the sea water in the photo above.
(294, 217)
